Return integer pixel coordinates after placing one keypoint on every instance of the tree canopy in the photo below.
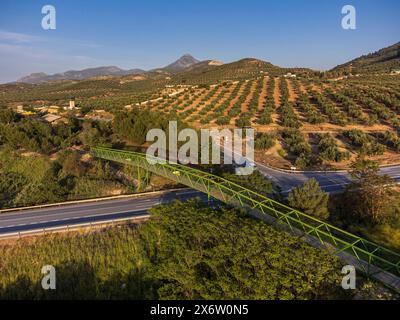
(223, 254)
(310, 199)
(371, 197)
(186, 251)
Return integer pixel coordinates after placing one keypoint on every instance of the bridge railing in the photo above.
(229, 192)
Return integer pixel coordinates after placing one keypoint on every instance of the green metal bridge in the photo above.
(372, 259)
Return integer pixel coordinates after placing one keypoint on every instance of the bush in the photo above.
(365, 143)
(329, 150)
(243, 122)
(295, 142)
(264, 141)
(223, 121)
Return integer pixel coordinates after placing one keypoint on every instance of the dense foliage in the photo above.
(310, 199)
(27, 180)
(371, 198)
(264, 141)
(365, 143)
(255, 181)
(186, 251)
(329, 150)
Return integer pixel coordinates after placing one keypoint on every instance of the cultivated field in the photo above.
(301, 121)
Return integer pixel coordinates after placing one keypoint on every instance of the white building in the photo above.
(290, 75)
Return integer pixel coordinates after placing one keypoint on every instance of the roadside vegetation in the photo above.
(186, 251)
(370, 205)
(44, 163)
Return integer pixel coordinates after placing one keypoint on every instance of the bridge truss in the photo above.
(372, 259)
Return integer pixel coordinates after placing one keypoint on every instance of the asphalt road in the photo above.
(332, 182)
(18, 221)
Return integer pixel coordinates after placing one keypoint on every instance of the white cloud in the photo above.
(18, 37)
(22, 54)
(17, 60)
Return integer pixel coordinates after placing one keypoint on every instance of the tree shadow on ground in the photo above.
(79, 281)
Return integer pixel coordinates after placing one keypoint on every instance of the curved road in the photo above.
(331, 182)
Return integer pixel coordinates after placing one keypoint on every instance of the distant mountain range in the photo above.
(79, 75)
(182, 63)
(384, 60)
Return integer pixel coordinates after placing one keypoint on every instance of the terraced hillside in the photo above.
(116, 91)
(309, 123)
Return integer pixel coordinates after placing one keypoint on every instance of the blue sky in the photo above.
(152, 33)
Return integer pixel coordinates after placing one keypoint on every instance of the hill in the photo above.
(37, 91)
(183, 62)
(382, 61)
(213, 71)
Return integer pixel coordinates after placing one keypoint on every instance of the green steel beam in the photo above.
(234, 194)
